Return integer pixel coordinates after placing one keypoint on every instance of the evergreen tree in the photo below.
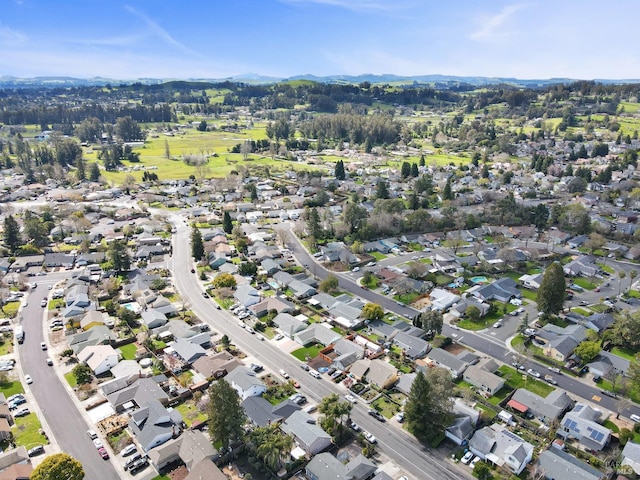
(485, 171)
(94, 172)
(382, 190)
(339, 170)
(427, 410)
(405, 171)
(226, 415)
(80, 169)
(447, 193)
(414, 170)
(414, 201)
(12, 234)
(551, 293)
(422, 163)
(313, 223)
(119, 256)
(197, 246)
(227, 225)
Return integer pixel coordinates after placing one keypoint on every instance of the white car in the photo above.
(356, 269)
(97, 443)
(284, 374)
(400, 417)
(28, 379)
(467, 458)
(351, 399)
(533, 373)
(370, 438)
(92, 434)
(279, 337)
(128, 450)
(474, 461)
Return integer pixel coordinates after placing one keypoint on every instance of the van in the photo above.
(314, 373)
(634, 417)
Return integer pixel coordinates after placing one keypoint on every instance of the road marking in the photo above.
(507, 353)
(596, 398)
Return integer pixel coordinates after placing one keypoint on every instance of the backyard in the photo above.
(304, 353)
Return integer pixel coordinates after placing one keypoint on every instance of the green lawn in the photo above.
(611, 426)
(71, 379)
(516, 379)
(7, 344)
(473, 326)
(304, 352)
(128, 351)
(162, 477)
(10, 309)
(26, 431)
(11, 388)
(529, 295)
(385, 406)
(378, 256)
(500, 395)
(585, 283)
(581, 311)
(407, 298)
(190, 413)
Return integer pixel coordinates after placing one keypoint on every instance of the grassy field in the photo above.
(10, 309)
(624, 353)
(71, 379)
(128, 351)
(516, 379)
(26, 431)
(11, 388)
(190, 413)
(304, 352)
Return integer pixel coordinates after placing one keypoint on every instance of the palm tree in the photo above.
(272, 445)
(621, 274)
(632, 276)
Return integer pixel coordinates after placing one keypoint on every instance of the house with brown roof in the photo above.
(215, 366)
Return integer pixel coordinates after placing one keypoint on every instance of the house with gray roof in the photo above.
(270, 266)
(583, 266)
(280, 305)
(245, 382)
(154, 425)
(414, 347)
(246, 295)
(301, 289)
(546, 409)
(98, 335)
(283, 279)
(306, 432)
(448, 361)
(405, 381)
(288, 324)
(582, 423)
(187, 351)
(324, 300)
(556, 464)
(190, 448)
(483, 377)
(382, 374)
(501, 290)
(137, 394)
(606, 364)
(153, 318)
(317, 333)
(631, 456)
(501, 447)
(262, 413)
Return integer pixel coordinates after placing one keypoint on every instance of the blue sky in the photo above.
(220, 38)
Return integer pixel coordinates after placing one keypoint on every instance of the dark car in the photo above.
(354, 426)
(305, 367)
(39, 450)
(377, 415)
(138, 465)
(132, 459)
(205, 294)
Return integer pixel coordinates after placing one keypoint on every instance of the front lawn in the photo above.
(11, 388)
(378, 256)
(407, 298)
(516, 379)
(469, 325)
(6, 344)
(128, 351)
(585, 283)
(71, 379)
(307, 352)
(26, 431)
(10, 309)
(385, 406)
(529, 295)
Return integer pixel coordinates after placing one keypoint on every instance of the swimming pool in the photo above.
(481, 279)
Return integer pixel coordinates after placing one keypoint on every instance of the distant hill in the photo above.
(253, 78)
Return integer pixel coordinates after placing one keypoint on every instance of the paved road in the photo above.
(483, 342)
(403, 449)
(59, 409)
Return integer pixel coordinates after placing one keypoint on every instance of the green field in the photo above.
(516, 379)
(71, 379)
(26, 431)
(304, 352)
(11, 388)
(128, 351)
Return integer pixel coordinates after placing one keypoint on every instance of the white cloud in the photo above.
(160, 32)
(496, 27)
(360, 5)
(8, 36)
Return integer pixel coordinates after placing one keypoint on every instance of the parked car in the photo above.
(32, 452)
(135, 457)
(138, 465)
(354, 426)
(49, 362)
(92, 434)
(284, 374)
(400, 417)
(97, 443)
(314, 373)
(370, 438)
(103, 453)
(28, 379)
(473, 462)
(279, 337)
(351, 399)
(533, 373)
(43, 346)
(128, 450)
(549, 379)
(377, 415)
(466, 458)
(498, 324)
(23, 412)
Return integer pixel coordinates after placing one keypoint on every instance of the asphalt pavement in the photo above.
(63, 422)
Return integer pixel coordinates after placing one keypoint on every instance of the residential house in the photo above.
(317, 333)
(546, 409)
(153, 318)
(459, 310)
(215, 366)
(98, 335)
(583, 266)
(306, 433)
(414, 347)
(94, 318)
(153, 425)
(465, 418)
(124, 396)
(559, 342)
(245, 382)
(288, 324)
(382, 374)
(606, 364)
(302, 289)
(190, 448)
(631, 456)
(501, 290)
(556, 464)
(100, 358)
(206, 470)
(497, 445)
(262, 413)
(442, 299)
(532, 282)
(246, 295)
(15, 464)
(280, 305)
(582, 423)
(325, 466)
(450, 362)
(483, 377)
(187, 351)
